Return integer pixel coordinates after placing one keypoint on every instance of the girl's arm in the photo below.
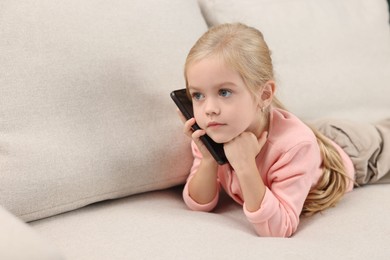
(202, 187)
(241, 153)
(201, 191)
(252, 186)
(274, 211)
(289, 181)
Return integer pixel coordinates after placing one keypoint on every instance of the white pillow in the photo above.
(331, 58)
(85, 112)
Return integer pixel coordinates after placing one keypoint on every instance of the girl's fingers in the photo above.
(202, 148)
(187, 127)
(197, 134)
(187, 123)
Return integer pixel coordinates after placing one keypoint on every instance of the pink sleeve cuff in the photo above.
(265, 212)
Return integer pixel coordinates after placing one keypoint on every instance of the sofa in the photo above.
(92, 153)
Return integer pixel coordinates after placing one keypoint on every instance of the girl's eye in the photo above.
(225, 93)
(197, 96)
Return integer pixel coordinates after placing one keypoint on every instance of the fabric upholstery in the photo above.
(331, 57)
(157, 225)
(85, 112)
(19, 241)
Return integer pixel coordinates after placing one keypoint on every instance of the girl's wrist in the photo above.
(203, 186)
(245, 166)
(252, 186)
(208, 169)
(209, 161)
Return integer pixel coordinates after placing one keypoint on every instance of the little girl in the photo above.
(279, 168)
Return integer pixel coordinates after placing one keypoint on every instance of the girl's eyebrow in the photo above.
(193, 88)
(219, 85)
(228, 83)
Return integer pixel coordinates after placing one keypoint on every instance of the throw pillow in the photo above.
(85, 112)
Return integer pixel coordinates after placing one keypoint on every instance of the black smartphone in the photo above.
(185, 105)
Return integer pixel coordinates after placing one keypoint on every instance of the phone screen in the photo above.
(185, 105)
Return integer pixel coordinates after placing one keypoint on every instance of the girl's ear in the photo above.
(267, 93)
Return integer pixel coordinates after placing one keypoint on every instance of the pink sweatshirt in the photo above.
(289, 164)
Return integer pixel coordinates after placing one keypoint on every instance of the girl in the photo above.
(278, 168)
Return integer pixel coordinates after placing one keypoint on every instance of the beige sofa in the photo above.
(92, 155)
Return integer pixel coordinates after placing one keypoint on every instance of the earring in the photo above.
(262, 109)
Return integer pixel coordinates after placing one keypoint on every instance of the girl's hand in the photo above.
(195, 135)
(243, 149)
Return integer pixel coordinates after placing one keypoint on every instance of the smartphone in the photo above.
(185, 105)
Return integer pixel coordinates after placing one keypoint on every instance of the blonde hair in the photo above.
(244, 49)
(334, 180)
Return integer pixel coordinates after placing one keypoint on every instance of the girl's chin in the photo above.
(221, 139)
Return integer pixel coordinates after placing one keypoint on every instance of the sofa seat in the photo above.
(157, 225)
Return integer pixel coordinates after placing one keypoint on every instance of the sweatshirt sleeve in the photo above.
(289, 182)
(186, 196)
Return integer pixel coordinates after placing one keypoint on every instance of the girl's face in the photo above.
(223, 105)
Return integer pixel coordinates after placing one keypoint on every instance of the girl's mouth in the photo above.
(214, 125)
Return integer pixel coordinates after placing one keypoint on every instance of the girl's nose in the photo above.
(211, 107)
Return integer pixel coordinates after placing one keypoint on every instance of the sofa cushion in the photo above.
(19, 241)
(85, 112)
(158, 225)
(331, 58)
